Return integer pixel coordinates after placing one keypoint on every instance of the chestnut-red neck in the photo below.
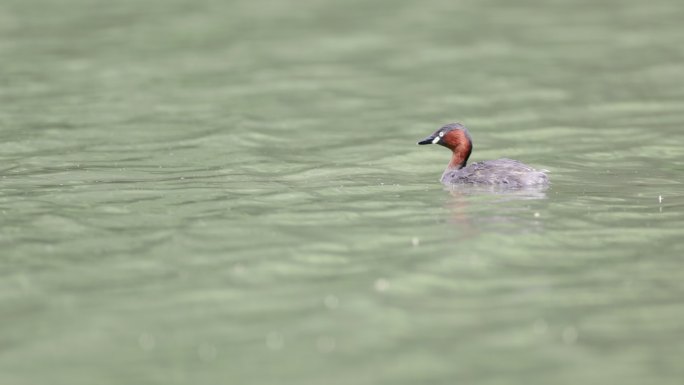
(458, 141)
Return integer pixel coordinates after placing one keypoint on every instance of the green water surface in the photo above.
(229, 192)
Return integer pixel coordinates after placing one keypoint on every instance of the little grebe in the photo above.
(501, 172)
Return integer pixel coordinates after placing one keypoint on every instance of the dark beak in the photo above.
(428, 140)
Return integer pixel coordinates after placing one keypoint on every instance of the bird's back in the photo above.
(502, 172)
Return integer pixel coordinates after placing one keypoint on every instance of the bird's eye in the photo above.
(441, 134)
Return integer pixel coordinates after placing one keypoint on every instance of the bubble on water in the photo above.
(24, 282)
(275, 341)
(570, 335)
(325, 344)
(540, 326)
(207, 352)
(476, 262)
(415, 241)
(381, 284)
(146, 341)
(331, 302)
(238, 269)
(537, 215)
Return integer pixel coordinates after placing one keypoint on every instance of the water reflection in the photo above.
(475, 209)
(529, 192)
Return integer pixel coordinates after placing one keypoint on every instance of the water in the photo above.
(230, 192)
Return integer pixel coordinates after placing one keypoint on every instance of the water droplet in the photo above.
(238, 269)
(326, 344)
(570, 335)
(331, 302)
(274, 341)
(381, 284)
(540, 326)
(146, 341)
(207, 352)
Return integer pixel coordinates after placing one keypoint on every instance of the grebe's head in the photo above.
(456, 138)
(451, 136)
